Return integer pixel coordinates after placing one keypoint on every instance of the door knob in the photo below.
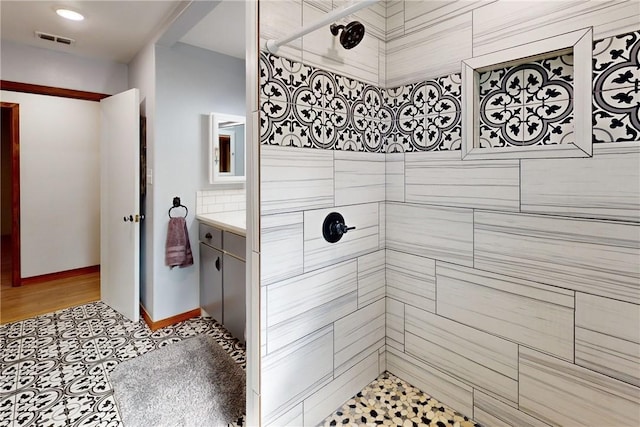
(131, 218)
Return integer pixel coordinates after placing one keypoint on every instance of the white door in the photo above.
(120, 203)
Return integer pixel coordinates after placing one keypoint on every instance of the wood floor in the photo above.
(19, 303)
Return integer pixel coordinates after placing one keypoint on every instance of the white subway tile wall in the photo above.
(216, 201)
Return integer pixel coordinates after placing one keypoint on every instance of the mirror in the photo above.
(226, 148)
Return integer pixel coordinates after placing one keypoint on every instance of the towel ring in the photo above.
(177, 204)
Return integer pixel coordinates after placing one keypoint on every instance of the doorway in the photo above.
(10, 194)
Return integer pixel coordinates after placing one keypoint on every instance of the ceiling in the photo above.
(117, 30)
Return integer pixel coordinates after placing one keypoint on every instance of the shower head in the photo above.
(352, 34)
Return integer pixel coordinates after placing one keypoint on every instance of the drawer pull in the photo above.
(208, 236)
(218, 264)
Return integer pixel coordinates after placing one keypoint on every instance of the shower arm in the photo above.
(273, 45)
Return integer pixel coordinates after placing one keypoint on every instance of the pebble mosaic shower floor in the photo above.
(390, 401)
(53, 372)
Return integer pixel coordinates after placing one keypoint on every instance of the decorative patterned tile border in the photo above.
(304, 106)
(525, 104)
(616, 88)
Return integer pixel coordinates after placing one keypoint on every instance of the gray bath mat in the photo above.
(193, 382)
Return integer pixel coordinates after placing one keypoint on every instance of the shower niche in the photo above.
(529, 101)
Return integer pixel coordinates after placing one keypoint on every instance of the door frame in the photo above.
(14, 140)
(14, 108)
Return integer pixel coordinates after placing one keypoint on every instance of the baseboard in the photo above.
(169, 320)
(60, 275)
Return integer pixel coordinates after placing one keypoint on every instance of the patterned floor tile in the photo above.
(55, 367)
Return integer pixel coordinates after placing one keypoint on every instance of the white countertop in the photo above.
(235, 222)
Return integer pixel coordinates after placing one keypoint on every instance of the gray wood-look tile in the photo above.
(372, 17)
(293, 417)
(522, 311)
(434, 232)
(608, 337)
(421, 14)
(360, 177)
(561, 393)
(604, 186)
(263, 320)
(294, 372)
(478, 358)
(364, 239)
(411, 279)
(279, 19)
(489, 411)
(538, 20)
(294, 179)
(440, 385)
(597, 257)
(281, 243)
(382, 225)
(395, 177)
(409, 58)
(447, 180)
(323, 402)
(382, 64)
(371, 278)
(395, 324)
(323, 51)
(395, 19)
(358, 334)
(303, 304)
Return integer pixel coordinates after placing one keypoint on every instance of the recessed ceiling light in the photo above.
(70, 14)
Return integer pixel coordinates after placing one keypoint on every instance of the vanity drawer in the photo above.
(210, 235)
(235, 245)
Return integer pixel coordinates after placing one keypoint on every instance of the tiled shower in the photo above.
(508, 289)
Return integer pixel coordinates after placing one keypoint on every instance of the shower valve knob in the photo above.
(342, 228)
(333, 227)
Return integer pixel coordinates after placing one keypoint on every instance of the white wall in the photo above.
(28, 64)
(59, 155)
(59, 182)
(190, 83)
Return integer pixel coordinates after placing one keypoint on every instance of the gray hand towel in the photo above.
(178, 249)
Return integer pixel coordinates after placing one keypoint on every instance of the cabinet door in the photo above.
(211, 281)
(234, 296)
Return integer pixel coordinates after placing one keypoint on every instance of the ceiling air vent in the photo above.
(53, 38)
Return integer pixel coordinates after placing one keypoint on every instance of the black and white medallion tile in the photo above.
(54, 368)
(527, 104)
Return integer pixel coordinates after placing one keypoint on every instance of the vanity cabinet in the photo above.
(222, 278)
(211, 281)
